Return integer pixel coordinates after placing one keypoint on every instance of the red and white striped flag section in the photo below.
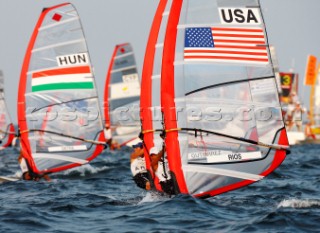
(225, 44)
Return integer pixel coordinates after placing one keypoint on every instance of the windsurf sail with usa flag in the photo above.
(222, 118)
(121, 97)
(7, 132)
(58, 108)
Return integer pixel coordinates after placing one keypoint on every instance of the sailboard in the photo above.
(121, 97)
(59, 117)
(7, 131)
(151, 117)
(5, 179)
(217, 84)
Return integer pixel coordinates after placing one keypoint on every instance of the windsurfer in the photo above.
(138, 167)
(113, 144)
(26, 173)
(160, 166)
(308, 131)
(297, 116)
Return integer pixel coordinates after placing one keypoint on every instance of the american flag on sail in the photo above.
(225, 44)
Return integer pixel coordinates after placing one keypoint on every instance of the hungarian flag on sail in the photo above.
(62, 78)
(225, 44)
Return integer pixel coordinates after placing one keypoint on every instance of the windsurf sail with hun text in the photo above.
(222, 116)
(121, 96)
(7, 131)
(58, 108)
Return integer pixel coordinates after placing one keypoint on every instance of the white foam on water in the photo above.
(85, 169)
(18, 174)
(297, 203)
(152, 196)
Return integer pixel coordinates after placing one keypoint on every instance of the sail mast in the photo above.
(168, 94)
(106, 90)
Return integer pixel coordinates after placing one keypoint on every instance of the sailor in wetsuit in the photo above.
(138, 167)
(160, 166)
(26, 174)
(113, 144)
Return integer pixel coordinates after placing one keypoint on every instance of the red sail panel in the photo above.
(146, 86)
(168, 95)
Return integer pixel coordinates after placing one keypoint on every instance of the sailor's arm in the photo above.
(46, 177)
(155, 159)
(136, 154)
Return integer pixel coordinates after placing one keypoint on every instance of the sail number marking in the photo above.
(240, 16)
(130, 78)
(235, 156)
(217, 156)
(73, 59)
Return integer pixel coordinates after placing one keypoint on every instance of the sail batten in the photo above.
(60, 157)
(57, 45)
(58, 24)
(123, 55)
(124, 68)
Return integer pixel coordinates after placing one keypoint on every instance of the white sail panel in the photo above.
(125, 90)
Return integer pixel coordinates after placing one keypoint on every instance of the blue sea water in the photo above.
(102, 197)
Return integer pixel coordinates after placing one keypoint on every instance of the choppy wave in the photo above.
(102, 197)
(84, 170)
(153, 197)
(298, 203)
